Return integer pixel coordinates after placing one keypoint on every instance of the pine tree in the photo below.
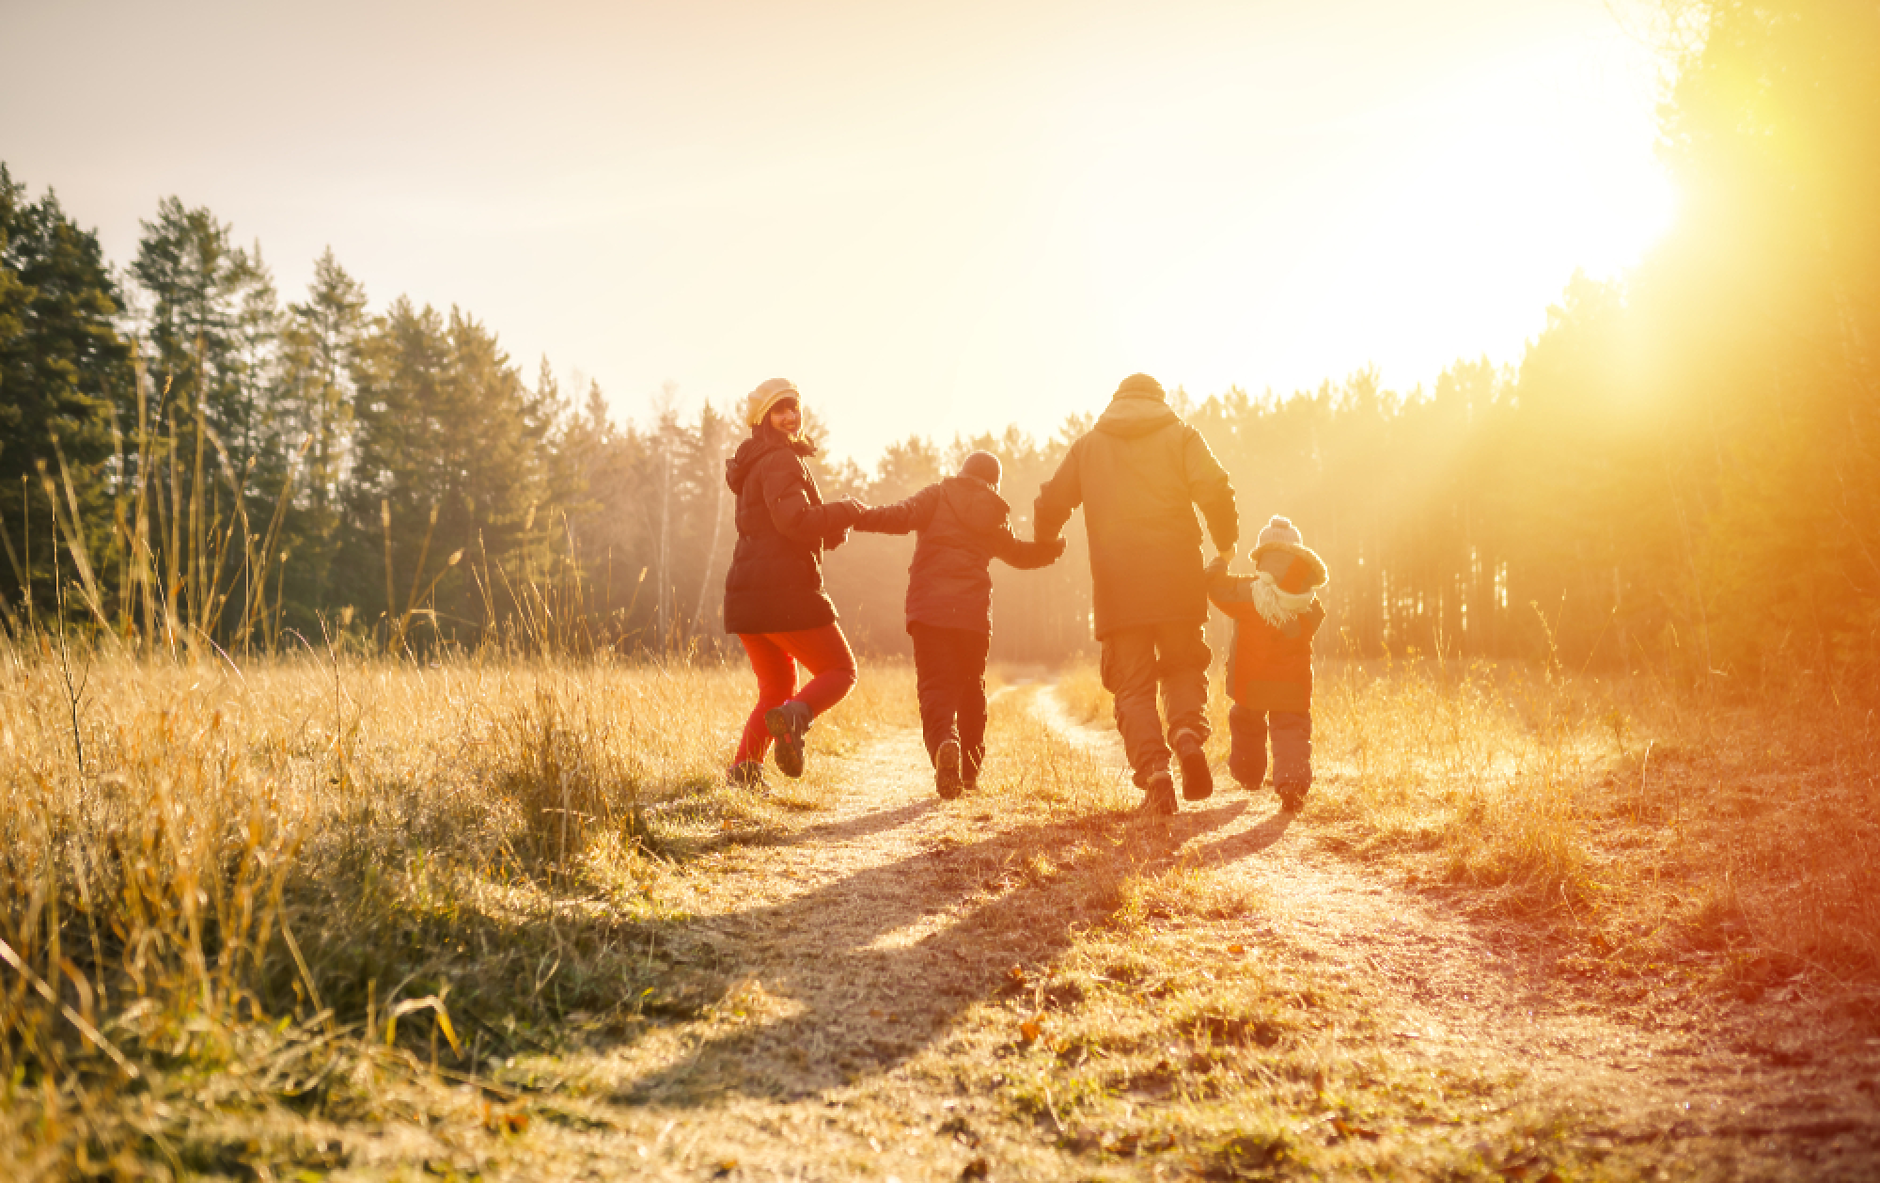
(320, 350)
(448, 459)
(64, 374)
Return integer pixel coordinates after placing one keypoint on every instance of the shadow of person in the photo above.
(859, 975)
(861, 826)
(1246, 842)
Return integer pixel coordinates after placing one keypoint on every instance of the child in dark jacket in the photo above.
(963, 525)
(1269, 669)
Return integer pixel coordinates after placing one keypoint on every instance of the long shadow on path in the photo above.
(863, 973)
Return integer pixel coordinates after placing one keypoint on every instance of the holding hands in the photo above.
(845, 513)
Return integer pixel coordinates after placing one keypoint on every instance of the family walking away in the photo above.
(1276, 613)
(1140, 474)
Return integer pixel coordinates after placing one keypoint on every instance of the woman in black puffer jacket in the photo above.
(774, 597)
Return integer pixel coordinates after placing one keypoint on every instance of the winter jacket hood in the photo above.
(1131, 416)
(977, 505)
(763, 441)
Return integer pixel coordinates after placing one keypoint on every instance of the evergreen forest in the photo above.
(1681, 475)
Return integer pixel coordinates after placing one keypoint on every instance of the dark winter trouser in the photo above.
(1136, 663)
(1292, 748)
(950, 677)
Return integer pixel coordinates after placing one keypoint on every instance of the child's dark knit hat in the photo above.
(983, 465)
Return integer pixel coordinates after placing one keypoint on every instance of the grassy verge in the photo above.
(1724, 842)
(332, 885)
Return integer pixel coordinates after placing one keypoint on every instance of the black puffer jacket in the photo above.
(775, 583)
(963, 526)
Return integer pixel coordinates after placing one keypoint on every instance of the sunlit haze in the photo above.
(938, 219)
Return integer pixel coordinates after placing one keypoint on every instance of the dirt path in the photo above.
(832, 1013)
(1769, 1091)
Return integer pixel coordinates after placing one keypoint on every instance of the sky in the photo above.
(936, 219)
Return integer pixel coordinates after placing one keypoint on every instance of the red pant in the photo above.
(824, 652)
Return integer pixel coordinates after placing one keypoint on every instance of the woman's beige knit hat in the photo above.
(769, 394)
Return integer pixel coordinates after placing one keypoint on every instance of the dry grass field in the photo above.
(338, 916)
(1733, 842)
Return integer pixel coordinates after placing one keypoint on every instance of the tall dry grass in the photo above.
(278, 882)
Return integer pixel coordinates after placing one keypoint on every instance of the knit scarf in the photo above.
(1278, 608)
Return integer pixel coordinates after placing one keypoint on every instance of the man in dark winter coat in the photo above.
(963, 525)
(1140, 474)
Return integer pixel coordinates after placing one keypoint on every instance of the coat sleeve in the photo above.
(1211, 491)
(903, 517)
(786, 495)
(1229, 594)
(1026, 556)
(1058, 496)
(1312, 618)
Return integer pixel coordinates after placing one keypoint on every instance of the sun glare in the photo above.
(1228, 247)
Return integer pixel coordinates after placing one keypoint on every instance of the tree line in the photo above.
(1682, 473)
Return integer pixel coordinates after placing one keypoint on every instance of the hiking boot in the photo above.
(746, 774)
(1292, 800)
(788, 723)
(1158, 795)
(1197, 778)
(946, 770)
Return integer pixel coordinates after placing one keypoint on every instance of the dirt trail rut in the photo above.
(1798, 1101)
(846, 955)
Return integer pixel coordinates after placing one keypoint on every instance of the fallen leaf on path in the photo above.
(1236, 949)
(723, 1167)
(1030, 1029)
(979, 1168)
(504, 1121)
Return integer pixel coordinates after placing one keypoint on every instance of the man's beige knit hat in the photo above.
(759, 402)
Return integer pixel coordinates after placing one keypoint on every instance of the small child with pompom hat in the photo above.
(1276, 612)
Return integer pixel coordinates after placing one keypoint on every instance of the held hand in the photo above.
(831, 541)
(1217, 568)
